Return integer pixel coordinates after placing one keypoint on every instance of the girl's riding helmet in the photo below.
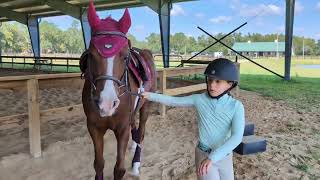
(223, 69)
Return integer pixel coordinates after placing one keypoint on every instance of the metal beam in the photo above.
(152, 4)
(64, 7)
(45, 8)
(10, 2)
(86, 30)
(19, 17)
(33, 28)
(164, 20)
(5, 1)
(288, 38)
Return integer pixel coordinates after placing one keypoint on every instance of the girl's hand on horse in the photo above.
(145, 95)
(204, 167)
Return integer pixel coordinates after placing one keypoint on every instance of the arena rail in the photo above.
(33, 83)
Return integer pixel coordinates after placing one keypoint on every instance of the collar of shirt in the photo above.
(221, 99)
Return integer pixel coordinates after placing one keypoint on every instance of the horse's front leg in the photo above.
(138, 136)
(97, 138)
(122, 136)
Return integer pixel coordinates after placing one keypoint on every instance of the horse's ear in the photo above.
(93, 18)
(125, 21)
(83, 63)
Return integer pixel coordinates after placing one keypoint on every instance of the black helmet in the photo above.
(223, 69)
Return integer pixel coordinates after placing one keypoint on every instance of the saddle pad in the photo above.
(133, 66)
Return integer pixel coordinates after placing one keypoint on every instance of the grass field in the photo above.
(278, 66)
(302, 91)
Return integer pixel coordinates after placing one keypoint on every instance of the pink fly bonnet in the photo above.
(108, 35)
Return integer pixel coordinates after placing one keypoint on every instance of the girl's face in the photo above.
(217, 87)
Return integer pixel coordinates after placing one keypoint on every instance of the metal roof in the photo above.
(20, 10)
(259, 46)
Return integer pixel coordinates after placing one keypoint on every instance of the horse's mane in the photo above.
(83, 60)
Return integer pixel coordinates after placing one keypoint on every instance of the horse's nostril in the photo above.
(96, 101)
(115, 103)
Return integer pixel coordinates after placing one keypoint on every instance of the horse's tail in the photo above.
(154, 69)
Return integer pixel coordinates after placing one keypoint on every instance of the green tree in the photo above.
(73, 41)
(309, 46)
(51, 38)
(154, 43)
(178, 43)
(14, 39)
(136, 43)
(318, 48)
(191, 45)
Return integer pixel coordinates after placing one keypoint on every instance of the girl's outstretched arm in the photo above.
(170, 100)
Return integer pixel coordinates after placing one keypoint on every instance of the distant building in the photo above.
(218, 54)
(260, 49)
(194, 53)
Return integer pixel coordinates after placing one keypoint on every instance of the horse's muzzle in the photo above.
(107, 108)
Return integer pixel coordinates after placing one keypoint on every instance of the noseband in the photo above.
(124, 80)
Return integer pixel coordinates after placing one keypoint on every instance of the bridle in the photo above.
(123, 82)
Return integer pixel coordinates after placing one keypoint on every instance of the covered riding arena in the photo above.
(169, 144)
(43, 133)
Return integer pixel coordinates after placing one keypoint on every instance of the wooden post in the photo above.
(67, 65)
(163, 87)
(34, 117)
(51, 63)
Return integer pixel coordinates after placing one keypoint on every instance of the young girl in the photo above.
(220, 120)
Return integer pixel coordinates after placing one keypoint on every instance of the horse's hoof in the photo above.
(99, 177)
(135, 169)
(134, 174)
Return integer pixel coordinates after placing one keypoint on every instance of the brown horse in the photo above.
(114, 75)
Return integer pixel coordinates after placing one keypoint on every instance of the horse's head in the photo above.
(105, 60)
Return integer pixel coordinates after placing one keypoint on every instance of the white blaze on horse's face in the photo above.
(109, 100)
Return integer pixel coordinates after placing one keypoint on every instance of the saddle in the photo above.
(140, 69)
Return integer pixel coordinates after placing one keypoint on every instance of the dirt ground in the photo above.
(293, 137)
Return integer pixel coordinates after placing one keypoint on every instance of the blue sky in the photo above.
(214, 16)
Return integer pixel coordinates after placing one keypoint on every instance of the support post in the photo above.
(289, 34)
(86, 30)
(34, 117)
(164, 20)
(163, 87)
(33, 28)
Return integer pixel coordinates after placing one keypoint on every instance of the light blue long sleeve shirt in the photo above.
(221, 121)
